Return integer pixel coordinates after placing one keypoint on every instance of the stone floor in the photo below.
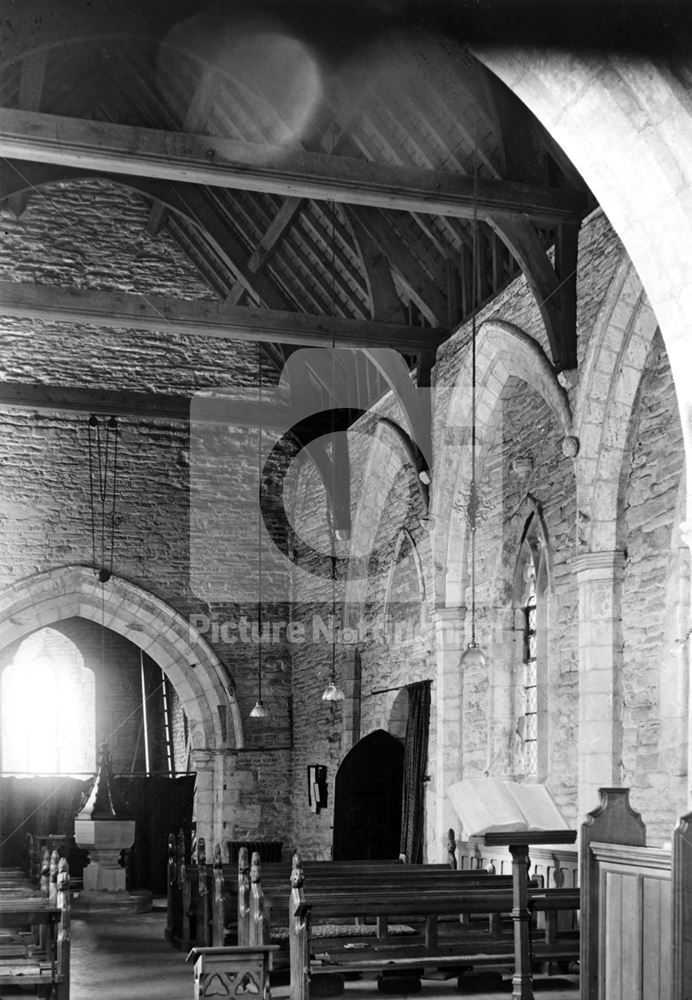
(125, 957)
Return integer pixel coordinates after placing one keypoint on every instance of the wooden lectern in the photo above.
(518, 843)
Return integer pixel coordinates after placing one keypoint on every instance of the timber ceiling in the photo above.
(312, 168)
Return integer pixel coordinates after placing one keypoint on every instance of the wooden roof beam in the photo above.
(120, 310)
(419, 285)
(553, 287)
(220, 162)
(216, 406)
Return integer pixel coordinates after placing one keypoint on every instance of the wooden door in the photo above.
(367, 799)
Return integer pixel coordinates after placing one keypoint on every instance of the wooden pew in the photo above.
(35, 941)
(328, 877)
(196, 917)
(319, 943)
(637, 905)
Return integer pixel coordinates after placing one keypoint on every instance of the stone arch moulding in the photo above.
(386, 454)
(205, 691)
(503, 351)
(624, 331)
(625, 125)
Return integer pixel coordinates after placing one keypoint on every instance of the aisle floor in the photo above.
(125, 957)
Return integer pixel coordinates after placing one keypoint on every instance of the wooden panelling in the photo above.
(682, 909)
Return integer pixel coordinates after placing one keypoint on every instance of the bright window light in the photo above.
(48, 708)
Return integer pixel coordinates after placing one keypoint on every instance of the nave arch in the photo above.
(503, 351)
(193, 668)
(625, 124)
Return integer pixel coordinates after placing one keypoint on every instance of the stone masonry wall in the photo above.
(650, 494)
(92, 234)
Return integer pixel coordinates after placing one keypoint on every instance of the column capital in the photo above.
(447, 617)
(206, 757)
(449, 625)
(604, 565)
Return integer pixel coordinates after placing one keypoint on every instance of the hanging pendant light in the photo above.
(259, 711)
(333, 692)
(473, 656)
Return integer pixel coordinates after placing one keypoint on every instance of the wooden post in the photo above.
(259, 923)
(218, 920)
(612, 822)
(681, 876)
(299, 934)
(170, 888)
(63, 942)
(243, 898)
(521, 980)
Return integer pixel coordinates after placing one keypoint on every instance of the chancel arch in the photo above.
(205, 691)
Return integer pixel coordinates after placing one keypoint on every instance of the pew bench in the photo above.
(203, 899)
(440, 943)
(405, 881)
(35, 945)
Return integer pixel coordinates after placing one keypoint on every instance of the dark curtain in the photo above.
(160, 806)
(48, 805)
(415, 764)
(36, 805)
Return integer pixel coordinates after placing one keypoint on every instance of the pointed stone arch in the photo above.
(625, 125)
(201, 681)
(612, 370)
(503, 351)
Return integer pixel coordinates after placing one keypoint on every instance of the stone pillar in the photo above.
(502, 657)
(449, 646)
(686, 686)
(209, 788)
(599, 579)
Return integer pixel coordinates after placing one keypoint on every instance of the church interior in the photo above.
(345, 408)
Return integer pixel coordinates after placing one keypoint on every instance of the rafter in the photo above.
(262, 252)
(220, 162)
(119, 310)
(385, 303)
(212, 406)
(195, 119)
(421, 288)
(554, 291)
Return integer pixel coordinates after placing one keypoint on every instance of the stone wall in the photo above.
(92, 234)
(651, 763)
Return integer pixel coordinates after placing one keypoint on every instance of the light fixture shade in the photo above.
(332, 692)
(473, 657)
(259, 711)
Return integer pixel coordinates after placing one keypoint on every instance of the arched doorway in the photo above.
(367, 799)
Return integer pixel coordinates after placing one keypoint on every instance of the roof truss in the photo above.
(219, 162)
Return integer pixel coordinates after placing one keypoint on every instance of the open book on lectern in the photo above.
(490, 805)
